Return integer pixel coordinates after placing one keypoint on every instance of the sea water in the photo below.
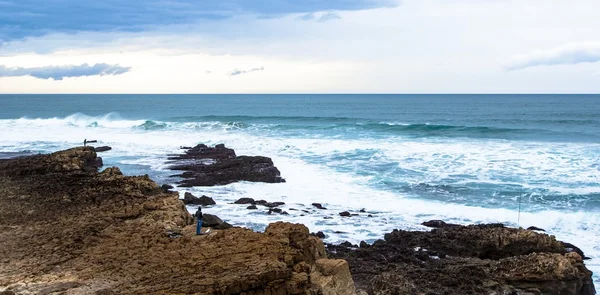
(405, 159)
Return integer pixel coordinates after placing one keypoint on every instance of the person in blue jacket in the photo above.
(198, 216)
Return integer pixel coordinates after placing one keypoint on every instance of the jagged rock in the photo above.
(319, 235)
(362, 210)
(319, 206)
(99, 163)
(535, 228)
(206, 166)
(363, 244)
(166, 188)
(94, 233)
(210, 220)
(477, 259)
(252, 207)
(244, 201)
(190, 199)
(345, 214)
(276, 210)
(112, 171)
(332, 277)
(572, 248)
(102, 149)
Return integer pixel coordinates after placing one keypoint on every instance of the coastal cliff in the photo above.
(67, 229)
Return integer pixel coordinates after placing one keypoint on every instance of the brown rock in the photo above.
(85, 232)
(332, 277)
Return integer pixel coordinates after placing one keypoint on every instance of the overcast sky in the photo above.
(293, 46)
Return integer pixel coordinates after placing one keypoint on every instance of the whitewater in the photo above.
(404, 160)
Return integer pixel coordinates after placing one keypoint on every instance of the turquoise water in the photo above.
(406, 158)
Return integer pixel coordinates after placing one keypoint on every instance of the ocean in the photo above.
(405, 159)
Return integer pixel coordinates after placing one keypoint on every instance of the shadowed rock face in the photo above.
(64, 227)
(477, 259)
(208, 166)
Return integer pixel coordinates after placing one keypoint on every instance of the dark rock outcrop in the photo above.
(190, 199)
(244, 201)
(100, 149)
(166, 188)
(252, 207)
(208, 166)
(477, 259)
(345, 214)
(438, 224)
(318, 206)
(99, 163)
(535, 228)
(67, 229)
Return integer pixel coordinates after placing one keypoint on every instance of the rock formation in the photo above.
(208, 166)
(477, 259)
(190, 199)
(66, 228)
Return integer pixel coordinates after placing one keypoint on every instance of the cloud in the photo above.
(239, 72)
(60, 72)
(27, 18)
(329, 16)
(564, 55)
(321, 18)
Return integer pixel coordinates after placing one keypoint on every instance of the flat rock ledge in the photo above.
(66, 228)
(210, 166)
(475, 259)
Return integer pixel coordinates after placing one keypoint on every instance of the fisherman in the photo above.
(198, 216)
(84, 142)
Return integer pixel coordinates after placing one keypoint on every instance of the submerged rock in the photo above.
(207, 166)
(477, 259)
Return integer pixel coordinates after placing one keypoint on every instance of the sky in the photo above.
(295, 46)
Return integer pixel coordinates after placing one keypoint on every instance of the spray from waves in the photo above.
(294, 126)
(110, 120)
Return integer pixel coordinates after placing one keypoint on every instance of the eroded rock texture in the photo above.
(65, 228)
(477, 259)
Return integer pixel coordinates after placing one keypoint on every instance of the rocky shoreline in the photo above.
(66, 228)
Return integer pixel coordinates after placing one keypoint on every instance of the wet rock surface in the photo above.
(66, 228)
(476, 259)
(100, 149)
(190, 199)
(209, 166)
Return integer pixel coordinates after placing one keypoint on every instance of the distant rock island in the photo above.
(209, 166)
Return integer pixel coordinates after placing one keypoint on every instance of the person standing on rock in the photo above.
(199, 221)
